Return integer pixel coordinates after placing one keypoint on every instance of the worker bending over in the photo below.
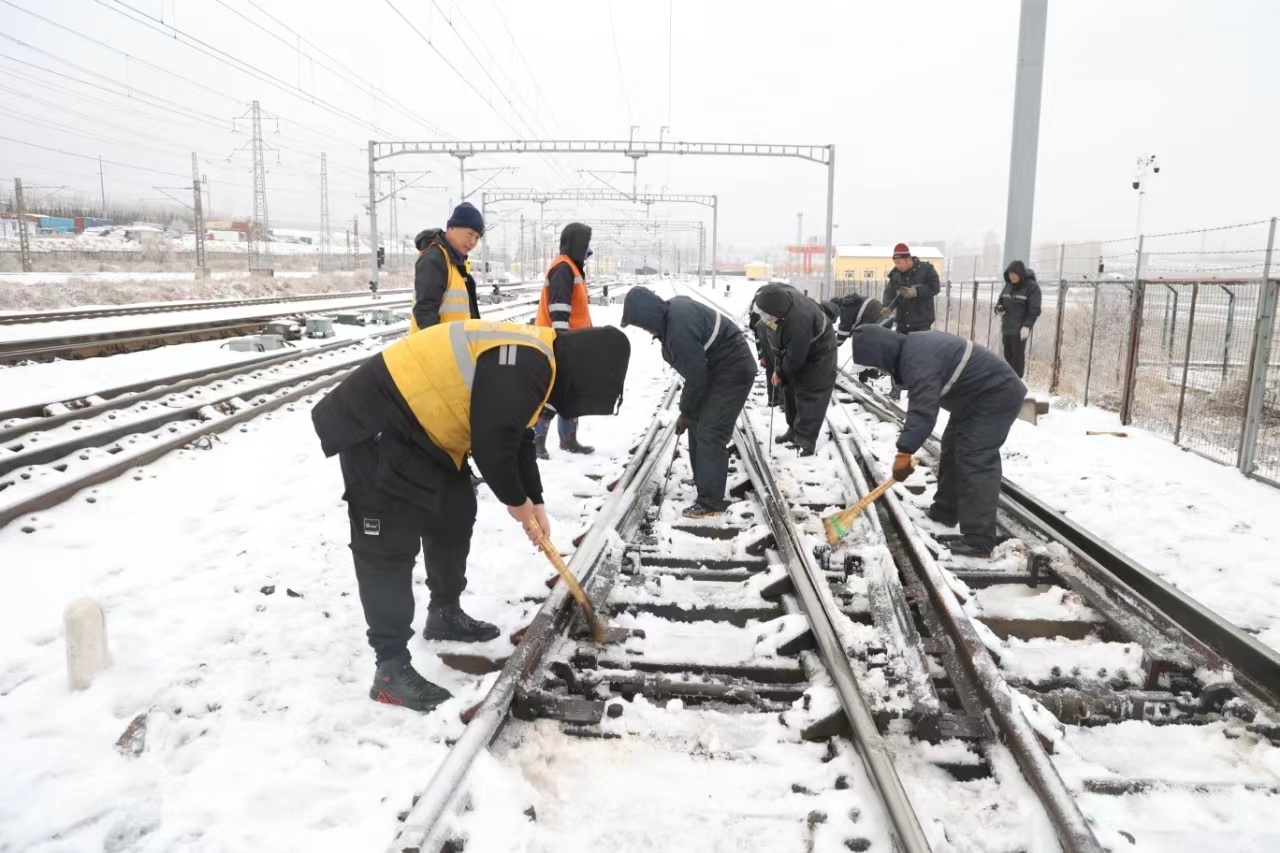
(982, 394)
(402, 424)
(710, 352)
(805, 360)
(564, 305)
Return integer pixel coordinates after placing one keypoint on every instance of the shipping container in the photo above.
(58, 224)
(96, 222)
(225, 236)
(241, 225)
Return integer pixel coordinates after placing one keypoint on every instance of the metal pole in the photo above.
(946, 310)
(828, 282)
(1026, 130)
(991, 315)
(102, 185)
(202, 271)
(1186, 363)
(1226, 337)
(715, 232)
(1060, 322)
(24, 242)
(325, 236)
(484, 254)
(373, 214)
(522, 264)
(1262, 342)
(1093, 330)
(702, 248)
(973, 314)
(799, 244)
(1135, 341)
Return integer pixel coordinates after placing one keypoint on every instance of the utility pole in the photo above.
(202, 269)
(324, 211)
(24, 244)
(208, 194)
(373, 217)
(351, 261)
(522, 247)
(260, 227)
(1026, 130)
(799, 238)
(102, 187)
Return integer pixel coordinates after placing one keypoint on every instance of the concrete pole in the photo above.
(373, 215)
(828, 286)
(1026, 130)
(715, 232)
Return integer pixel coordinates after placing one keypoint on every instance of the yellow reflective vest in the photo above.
(434, 370)
(455, 305)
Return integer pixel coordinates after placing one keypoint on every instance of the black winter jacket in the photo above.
(697, 340)
(933, 367)
(431, 278)
(913, 314)
(1019, 304)
(854, 311)
(574, 241)
(804, 334)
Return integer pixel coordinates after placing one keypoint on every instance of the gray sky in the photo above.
(917, 97)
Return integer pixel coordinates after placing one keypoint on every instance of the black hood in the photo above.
(574, 240)
(646, 309)
(876, 346)
(1021, 269)
(426, 238)
(776, 299)
(591, 368)
(832, 311)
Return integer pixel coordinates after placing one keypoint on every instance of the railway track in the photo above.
(877, 696)
(59, 314)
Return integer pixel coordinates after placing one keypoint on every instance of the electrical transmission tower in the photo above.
(24, 243)
(260, 227)
(324, 211)
(202, 270)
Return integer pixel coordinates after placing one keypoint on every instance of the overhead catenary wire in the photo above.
(617, 55)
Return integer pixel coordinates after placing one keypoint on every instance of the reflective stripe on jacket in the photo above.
(578, 306)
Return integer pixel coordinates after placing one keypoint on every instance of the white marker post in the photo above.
(87, 653)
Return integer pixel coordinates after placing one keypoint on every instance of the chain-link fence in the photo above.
(1176, 332)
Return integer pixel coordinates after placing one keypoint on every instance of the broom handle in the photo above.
(867, 500)
(556, 560)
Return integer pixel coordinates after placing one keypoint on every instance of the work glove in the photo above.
(1024, 332)
(903, 465)
(999, 309)
(885, 312)
(908, 293)
(683, 423)
(867, 375)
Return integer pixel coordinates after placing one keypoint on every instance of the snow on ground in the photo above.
(260, 733)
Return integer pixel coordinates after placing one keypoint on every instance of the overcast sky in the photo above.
(916, 96)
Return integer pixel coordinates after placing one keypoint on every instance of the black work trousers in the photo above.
(1015, 352)
(969, 471)
(811, 388)
(400, 499)
(728, 388)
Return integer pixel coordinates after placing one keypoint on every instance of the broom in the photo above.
(840, 523)
(598, 631)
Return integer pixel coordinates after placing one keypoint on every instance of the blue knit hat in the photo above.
(465, 215)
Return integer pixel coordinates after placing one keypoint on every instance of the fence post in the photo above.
(973, 314)
(946, 309)
(1135, 342)
(991, 315)
(1093, 332)
(1231, 321)
(1186, 362)
(1057, 329)
(1262, 341)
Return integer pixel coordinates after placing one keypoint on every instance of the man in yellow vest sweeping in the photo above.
(443, 289)
(564, 305)
(401, 425)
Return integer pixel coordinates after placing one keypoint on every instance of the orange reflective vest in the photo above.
(455, 304)
(434, 370)
(578, 306)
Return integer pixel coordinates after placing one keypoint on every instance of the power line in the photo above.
(516, 45)
(94, 159)
(617, 55)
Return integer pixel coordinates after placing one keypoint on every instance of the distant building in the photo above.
(758, 271)
(872, 263)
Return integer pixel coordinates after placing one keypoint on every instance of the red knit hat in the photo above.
(901, 251)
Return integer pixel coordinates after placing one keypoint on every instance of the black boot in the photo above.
(540, 446)
(944, 518)
(965, 548)
(448, 622)
(785, 437)
(572, 445)
(396, 682)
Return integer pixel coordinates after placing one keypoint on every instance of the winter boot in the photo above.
(806, 448)
(699, 510)
(946, 519)
(964, 548)
(540, 445)
(448, 622)
(572, 445)
(787, 436)
(396, 682)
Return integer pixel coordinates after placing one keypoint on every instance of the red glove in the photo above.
(903, 465)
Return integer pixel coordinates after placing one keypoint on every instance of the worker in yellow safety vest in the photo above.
(564, 305)
(402, 424)
(443, 289)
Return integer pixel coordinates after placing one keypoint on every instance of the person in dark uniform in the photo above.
(765, 356)
(443, 288)
(711, 353)
(402, 425)
(854, 311)
(983, 395)
(806, 359)
(1019, 308)
(910, 291)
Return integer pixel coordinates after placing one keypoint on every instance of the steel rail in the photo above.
(908, 835)
(423, 825)
(1074, 832)
(58, 314)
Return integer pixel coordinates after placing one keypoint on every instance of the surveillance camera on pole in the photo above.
(1145, 162)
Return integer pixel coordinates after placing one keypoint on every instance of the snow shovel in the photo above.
(840, 523)
(599, 632)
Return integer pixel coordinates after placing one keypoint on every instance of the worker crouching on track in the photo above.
(402, 424)
(443, 289)
(983, 395)
(805, 359)
(710, 352)
(855, 311)
(564, 305)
